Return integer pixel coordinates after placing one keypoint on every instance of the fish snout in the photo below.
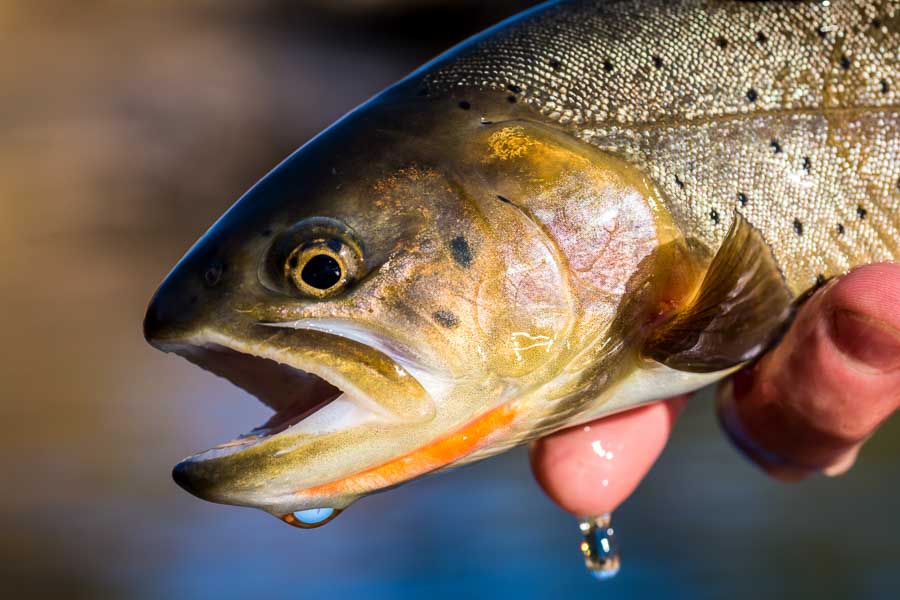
(184, 476)
(196, 478)
(214, 481)
(184, 301)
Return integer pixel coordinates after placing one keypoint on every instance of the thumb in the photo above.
(809, 404)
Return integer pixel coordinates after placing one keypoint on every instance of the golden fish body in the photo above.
(589, 207)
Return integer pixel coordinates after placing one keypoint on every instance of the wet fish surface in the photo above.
(591, 206)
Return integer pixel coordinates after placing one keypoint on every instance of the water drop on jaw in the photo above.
(601, 552)
(311, 518)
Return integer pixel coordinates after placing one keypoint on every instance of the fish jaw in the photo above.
(350, 418)
(336, 412)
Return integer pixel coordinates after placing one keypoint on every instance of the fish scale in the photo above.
(790, 106)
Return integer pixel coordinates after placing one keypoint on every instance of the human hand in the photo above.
(805, 407)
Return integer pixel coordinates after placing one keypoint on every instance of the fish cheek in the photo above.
(601, 219)
(523, 303)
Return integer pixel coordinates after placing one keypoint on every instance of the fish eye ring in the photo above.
(321, 268)
(317, 257)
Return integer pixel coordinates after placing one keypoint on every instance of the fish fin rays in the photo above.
(739, 310)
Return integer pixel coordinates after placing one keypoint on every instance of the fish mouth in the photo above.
(319, 386)
(293, 394)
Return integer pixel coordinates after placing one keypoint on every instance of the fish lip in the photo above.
(205, 347)
(430, 373)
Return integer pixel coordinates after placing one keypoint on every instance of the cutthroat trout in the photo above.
(588, 207)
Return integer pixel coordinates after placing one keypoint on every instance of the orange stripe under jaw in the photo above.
(435, 455)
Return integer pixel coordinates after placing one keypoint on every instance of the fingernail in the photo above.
(869, 341)
(844, 463)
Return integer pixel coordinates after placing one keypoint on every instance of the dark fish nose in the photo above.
(169, 317)
(189, 478)
(207, 480)
(177, 308)
(182, 476)
(154, 322)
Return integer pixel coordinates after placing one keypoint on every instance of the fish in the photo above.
(591, 206)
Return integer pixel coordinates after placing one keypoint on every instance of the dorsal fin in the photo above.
(740, 309)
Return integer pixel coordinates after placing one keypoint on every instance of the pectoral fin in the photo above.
(740, 309)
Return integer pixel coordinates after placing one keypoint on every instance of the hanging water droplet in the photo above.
(311, 517)
(601, 553)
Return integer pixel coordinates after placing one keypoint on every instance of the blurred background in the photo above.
(126, 128)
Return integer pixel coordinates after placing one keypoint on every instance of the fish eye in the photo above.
(320, 268)
(316, 258)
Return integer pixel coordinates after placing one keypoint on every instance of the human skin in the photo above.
(806, 407)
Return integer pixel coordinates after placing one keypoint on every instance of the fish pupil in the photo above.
(321, 272)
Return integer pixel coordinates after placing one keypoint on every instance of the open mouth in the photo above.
(292, 393)
(301, 401)
(308, 395)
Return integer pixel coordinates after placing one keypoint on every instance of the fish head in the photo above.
(390, 292)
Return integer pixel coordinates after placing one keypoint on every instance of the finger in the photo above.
(590, 469)
(809, 404)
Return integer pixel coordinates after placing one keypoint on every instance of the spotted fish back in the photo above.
(788, 112)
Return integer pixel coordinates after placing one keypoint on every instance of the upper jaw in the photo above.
(284, 367)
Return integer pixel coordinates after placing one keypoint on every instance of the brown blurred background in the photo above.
(126, 128)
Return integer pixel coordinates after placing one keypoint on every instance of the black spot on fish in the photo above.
(714, 215)
(876, 23)
(761, 38)
(743, 199)
(213, 273)
(607, 66)
(776, 146)
(514, 88)
(445, 318)
(293, 261)
(752, 96)
(721, 42)
(840, 228)
(845, 62)
(334, 245)
(511, 99)
(555, 64)
(798, 227)
(679, 182)
(885, 86)
(465, 105)
(462, 254)
(861, 212)
(823, 32)
(807, 164)
(503, 199)
(657, 62)
(820, 280)
(422, 91)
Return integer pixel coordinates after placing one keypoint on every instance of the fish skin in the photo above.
(528, 210)
(788, 112)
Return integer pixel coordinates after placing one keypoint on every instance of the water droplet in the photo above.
(311, 518)
(601, 553)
